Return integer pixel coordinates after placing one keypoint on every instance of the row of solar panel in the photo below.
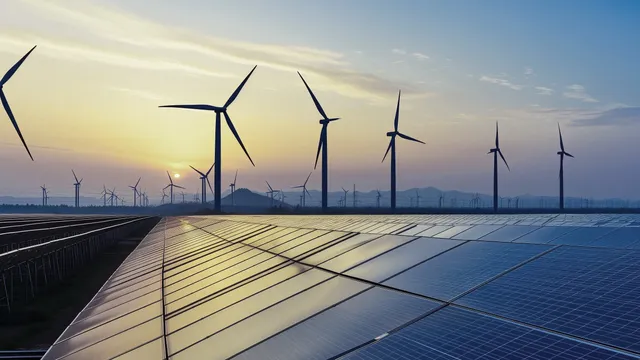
(205, 275)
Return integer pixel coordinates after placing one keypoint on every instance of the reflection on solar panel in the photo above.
(370, 287)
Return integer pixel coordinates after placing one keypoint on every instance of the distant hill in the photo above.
(246, 198)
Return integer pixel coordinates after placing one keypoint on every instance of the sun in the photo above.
(176, 175)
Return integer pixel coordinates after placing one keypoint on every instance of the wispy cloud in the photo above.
(399, 51)
(544, 90)
(501, 82)
(528, 72)
(31, 146)
(578, 92)
(612, 115)
(398, 61)
(144, 94)
(420, 56)
(123, 29)
(621, 116)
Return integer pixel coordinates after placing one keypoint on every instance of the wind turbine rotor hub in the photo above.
(392, 133)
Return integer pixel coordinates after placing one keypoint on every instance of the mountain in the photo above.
(246, 198)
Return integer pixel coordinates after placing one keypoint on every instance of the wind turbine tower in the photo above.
(233, 188)
(562, 154)
(171, 186)
(345, 197)
(217, 174)
(135, 191)
(304, 191)
(77, 188)
(378, 196)
(496, 151)
(392, 147)
(204, 178)
(45, 195)
(322, 145)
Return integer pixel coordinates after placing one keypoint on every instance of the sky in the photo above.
(87, 98)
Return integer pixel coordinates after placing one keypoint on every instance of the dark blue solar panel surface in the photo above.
(544, 234)
(460, 269)
(452, 333)
(589, 293)
(509, 233)
(343, 327)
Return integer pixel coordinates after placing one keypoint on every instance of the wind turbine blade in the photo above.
(395, 121)
(140, 178)
(235, 133)
(235, 93)
(503, 159)
(7, 108)
(305, 182)
(407, 137)
(307, 191)
(164, 188)
(74, 175)
(497, 138)
(196, 170)
(324, 131)
(315, 100)
(179, 187)
(270, 188)
(388, 148)
(192, 107)
(170, 180)
(569, 155)
(14, 68)
(297, 187)
(211, 168)
(80, 182)
(208, 183)
(235, 178)
(561, 142)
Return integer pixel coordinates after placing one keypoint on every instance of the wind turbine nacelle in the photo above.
(560, 153)
(492, 151)
(391, 133)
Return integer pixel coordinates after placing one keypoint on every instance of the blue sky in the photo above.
(462, 65)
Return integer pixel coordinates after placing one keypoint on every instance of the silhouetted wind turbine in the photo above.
(562, 154)
(392, 147)
(164, 195)
(322, 144)
(378, 196)
(171, 186)
(204, 178)
(217, 174)
(345, 196)
(496, 151)
(112, 195)
(5, 102)
(304, 190)
(104, 194)
(270, 192)
(233, 189)
(418, 198)
(77, 188)
(135, 191)
(45, 195)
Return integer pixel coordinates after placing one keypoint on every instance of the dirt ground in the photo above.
(38, 324)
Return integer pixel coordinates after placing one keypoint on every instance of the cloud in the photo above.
(139, 93)
(528, 71)
(501, 82)
(544, 90)
(620, 116)
(399, 52)
(398, 61)
(420, 56)
(53, 148)
(612, 115)
(578, 92)
(140, 34)
(359, 52)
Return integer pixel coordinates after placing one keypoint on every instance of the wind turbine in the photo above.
(5, 102)
(378, 196)
(418, 198)
(345, 196)
(171, 186)
(304, 190)
(496, 151)
(322, 145)
(135, 191)
(45, 195)
(77, 188)
(217, 174)
(233, 188)
(204, 177)
(182, 193)
(270, 192)
(164, 195)
(112, 195)
(392, 147)
(104, 194)
(562, 154)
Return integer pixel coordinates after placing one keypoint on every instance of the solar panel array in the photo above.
(370, 287)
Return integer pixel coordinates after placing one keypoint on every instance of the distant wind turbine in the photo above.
(322, 145)
(77, 188)
(135, 191)
(378, 196)
(104, 194)
(217, 174)
(270, 192)
(304, 190)
(204, 178)
(112, 195)
(562, 154)
(418, 198)
(164, 195)
(5, 102)
(392, 147)
(45, 195)
(345, 196)
(496, 151)
(171, 186)
(233, 188)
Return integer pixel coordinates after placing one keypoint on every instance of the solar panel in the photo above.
(544, 234)
(343, 327)
(581, 236)
(452, 333)
(476, 232)
(588, 293)
(456, 271)
(625, 237)
(509, 233)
